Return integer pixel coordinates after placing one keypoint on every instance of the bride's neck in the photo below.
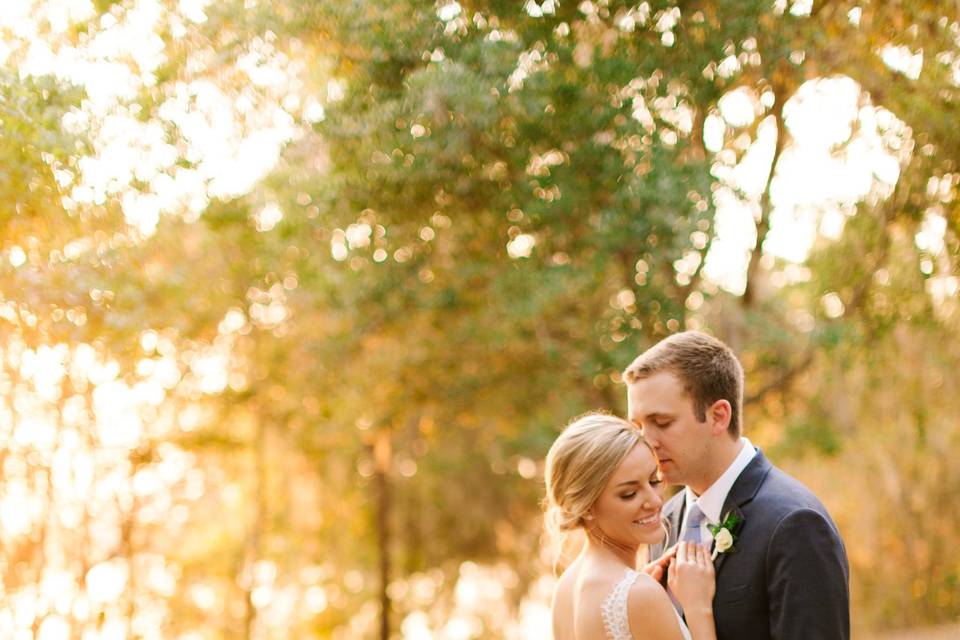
(607, 549)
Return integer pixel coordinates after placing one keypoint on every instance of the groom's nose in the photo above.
(649, 436)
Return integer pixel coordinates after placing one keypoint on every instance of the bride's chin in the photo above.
(654, 537)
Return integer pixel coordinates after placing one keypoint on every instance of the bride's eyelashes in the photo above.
(654, 481)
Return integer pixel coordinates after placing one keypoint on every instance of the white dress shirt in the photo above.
(711, 501)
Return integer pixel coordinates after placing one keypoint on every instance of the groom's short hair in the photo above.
(707, 368)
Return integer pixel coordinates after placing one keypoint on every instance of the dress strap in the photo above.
(614, 608)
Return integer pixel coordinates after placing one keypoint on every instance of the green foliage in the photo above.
(33, 143)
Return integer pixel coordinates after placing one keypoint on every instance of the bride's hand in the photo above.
(657, 568)
(691, 578)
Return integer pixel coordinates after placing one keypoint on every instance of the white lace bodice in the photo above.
(614, 610)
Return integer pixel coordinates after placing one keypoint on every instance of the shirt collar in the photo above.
(711, 501)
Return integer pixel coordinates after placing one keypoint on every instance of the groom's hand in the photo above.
(657, 568)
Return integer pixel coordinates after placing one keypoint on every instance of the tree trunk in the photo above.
(256, 529)
(381, 456)
(763, 224)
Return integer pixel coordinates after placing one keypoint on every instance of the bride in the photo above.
(602, 478)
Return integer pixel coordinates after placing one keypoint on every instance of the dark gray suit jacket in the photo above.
(788, 576)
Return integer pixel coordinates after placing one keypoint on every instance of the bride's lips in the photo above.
(648, 521)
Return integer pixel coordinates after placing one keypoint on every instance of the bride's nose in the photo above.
(652, 501)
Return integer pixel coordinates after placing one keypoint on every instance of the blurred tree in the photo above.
(482, 212)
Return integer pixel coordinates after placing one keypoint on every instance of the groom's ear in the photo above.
(719, 414)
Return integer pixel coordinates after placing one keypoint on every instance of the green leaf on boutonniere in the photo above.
(730, 523)
(723, 534)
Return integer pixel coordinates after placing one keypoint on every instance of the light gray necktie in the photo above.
(690, 534)
(694, 519)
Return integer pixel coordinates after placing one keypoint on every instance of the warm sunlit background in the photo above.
(294, 295)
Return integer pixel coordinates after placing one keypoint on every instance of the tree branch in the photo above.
(782, 381)
(763, 224)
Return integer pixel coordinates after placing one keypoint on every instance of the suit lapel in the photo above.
(673, 514)
(675, 517)
(721, 557)
(743, 491)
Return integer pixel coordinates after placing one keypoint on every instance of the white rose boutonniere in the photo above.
(723, 540)
(723, 534)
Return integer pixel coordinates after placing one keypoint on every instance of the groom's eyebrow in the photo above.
(657, 414)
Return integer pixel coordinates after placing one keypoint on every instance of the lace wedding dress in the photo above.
(614, 610)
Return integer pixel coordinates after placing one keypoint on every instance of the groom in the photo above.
(785, 574)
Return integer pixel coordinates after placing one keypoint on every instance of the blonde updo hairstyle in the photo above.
(579, 465)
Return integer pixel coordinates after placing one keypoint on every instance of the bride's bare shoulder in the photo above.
(646, 591)
(562, 605)
(563, 590)
(650, 612)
